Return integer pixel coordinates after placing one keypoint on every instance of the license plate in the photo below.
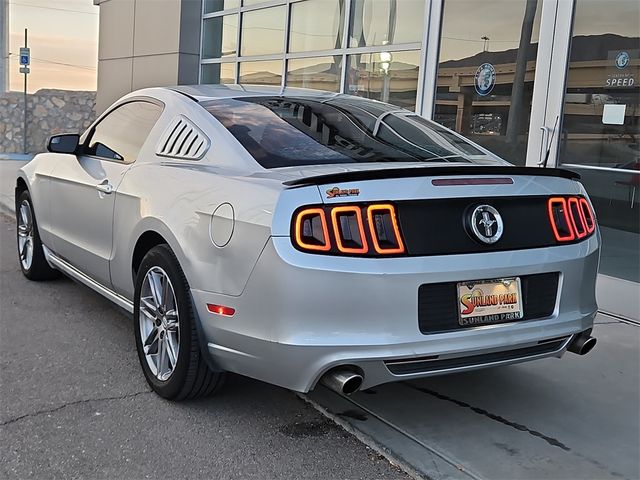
(489, 301)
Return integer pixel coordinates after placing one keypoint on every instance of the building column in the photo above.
(4, 46)
(146, 43)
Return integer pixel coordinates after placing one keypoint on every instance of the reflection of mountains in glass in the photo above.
(323, 70)
(583, 48)
(395, 69)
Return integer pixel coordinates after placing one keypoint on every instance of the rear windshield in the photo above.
(286, 132)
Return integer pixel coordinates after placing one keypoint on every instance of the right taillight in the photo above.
(356, 230)
(571, 218)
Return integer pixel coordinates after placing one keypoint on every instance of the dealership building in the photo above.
(539, 82)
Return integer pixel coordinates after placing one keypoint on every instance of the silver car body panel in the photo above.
(297, 314)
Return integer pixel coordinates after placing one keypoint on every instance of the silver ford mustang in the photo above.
(300, 237)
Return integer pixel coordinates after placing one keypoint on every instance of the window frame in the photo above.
(343, 51)
(86, 137)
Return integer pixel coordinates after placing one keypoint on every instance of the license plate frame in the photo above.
(491, 301)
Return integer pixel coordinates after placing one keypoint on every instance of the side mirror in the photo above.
(67, 143)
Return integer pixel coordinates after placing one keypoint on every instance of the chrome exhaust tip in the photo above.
(342, 381)
(583, 343)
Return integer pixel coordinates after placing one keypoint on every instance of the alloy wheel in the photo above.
(25, 235)
(159, 323)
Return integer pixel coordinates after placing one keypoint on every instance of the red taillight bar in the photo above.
(390, 209)
(309, 213)
(589, 219)
(336, 212)
(559, 205)
(579, 224)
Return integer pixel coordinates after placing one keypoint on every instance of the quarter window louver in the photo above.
(183, 140)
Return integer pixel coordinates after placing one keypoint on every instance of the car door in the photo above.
(83, 188)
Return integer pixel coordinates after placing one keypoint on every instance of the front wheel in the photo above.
(33, 263)
(165, 330)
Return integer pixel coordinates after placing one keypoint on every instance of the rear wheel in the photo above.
(165, 330)
(33, 263)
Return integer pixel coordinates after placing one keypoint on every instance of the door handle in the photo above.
(547, 142)
(543, 150)
(105, 187)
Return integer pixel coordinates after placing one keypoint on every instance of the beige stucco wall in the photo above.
(145, 43)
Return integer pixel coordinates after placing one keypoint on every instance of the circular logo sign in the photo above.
(622, 60)
(485, 79)
(486, 224)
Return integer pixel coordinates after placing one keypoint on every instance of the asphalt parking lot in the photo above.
(75, 403)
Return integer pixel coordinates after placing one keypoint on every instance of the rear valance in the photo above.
(431, 172)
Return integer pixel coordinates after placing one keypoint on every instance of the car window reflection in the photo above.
(283, 132)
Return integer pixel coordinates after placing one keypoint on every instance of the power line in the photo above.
(85, 67)
(52, 8)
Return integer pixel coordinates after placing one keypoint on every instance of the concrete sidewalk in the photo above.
(576, 417)
(10, 163)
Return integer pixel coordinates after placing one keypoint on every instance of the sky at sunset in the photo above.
(63, 37)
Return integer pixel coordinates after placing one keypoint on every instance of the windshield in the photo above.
(285, 132)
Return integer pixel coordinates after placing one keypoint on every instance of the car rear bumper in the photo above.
(300, 315)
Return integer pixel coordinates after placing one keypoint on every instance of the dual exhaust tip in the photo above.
(346, 381)
(583, 343)
(343, 381)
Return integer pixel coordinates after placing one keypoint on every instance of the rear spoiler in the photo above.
(357, 175)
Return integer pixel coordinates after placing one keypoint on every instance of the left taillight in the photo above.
(354, 230)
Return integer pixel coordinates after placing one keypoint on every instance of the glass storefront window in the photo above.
(219, 38)
(386, 76)
(267, 72)
(247, 3)
(316, 25)
(222, 73)
(600, 136)
(319, 73)
(486, 69)
(211, 6)
(383, 22)
(263, 31)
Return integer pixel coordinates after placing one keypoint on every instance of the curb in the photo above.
(18, 157)
(366, 440)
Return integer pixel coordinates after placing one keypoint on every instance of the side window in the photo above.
(121, 134)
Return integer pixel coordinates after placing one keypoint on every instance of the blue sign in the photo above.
(622, 60)
(485, 79)
(25, 56)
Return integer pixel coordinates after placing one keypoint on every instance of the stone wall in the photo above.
(48, 112)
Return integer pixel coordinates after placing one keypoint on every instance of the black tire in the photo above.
(191, 376)
(39, 269)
